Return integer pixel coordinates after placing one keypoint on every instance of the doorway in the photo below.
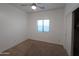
(75, 33)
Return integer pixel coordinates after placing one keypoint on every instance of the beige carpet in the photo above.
(36, 48)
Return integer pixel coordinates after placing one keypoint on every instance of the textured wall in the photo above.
(56, 34)
(13, 26)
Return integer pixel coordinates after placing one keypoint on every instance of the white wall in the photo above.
(56, 34)
(69, 8)
(13, 26)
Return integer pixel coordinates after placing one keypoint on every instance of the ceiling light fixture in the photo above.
(33, 6)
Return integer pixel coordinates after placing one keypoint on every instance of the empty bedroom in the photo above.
(37, 29)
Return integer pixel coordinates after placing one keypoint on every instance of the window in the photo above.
(43, 25)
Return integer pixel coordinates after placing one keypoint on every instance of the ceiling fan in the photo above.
(34, 5)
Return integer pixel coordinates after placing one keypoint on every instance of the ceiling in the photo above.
(48, 6)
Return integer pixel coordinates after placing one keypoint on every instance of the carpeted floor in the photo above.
(36, 48)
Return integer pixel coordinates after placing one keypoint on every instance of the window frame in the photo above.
(43, 26)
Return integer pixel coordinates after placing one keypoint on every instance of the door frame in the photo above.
(72, 37)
